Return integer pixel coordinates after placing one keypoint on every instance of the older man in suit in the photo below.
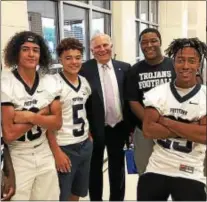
(106, 114)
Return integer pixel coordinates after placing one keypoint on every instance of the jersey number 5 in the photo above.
(76, 120)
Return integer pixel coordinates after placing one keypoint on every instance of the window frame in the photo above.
(139, 21)
(90, 9)
(57, 26)
(87, 27)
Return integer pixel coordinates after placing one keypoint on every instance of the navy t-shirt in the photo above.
(142, 77)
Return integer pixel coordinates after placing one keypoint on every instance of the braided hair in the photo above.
(195, 43)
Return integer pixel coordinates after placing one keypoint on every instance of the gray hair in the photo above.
(99, 35)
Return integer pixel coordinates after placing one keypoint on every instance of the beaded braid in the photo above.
(181, 43)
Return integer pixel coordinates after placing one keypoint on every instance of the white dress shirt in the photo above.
(115, 89)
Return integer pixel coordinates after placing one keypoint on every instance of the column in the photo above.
(123, 30)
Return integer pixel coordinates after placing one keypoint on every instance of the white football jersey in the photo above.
(15, 92)
(178, 157)
(75, 126)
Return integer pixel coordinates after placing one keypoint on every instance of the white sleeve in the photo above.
(6, 89)
(58, 87)
(155, 98)
(88, 88)
(53, 86)
(202, 102)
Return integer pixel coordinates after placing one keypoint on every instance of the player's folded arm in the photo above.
(203, 120)
(151, 128)
(52, 121)
(12, 131)
(190, 131)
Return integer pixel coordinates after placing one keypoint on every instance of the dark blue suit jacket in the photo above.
(95, 104)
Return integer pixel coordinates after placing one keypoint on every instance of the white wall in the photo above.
(123, 30)
(182, 19)
(197, 19)
(13, 19)
(172, 21)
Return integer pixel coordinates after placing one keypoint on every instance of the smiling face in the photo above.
(150, 45)
(187, 63)
(101, 48)
(71, 60)
(29, 55)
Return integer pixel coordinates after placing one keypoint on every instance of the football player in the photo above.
(72, 145)
(175, 117)
(30, 105)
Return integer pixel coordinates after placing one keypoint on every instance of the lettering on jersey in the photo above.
(152, 79)
(178, 111)
(75, 99)
(29, 103)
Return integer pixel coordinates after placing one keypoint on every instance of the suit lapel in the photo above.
(97, 81)
(118, 72)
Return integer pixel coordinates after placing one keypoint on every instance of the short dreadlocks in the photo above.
(195, 43)
(181, 43)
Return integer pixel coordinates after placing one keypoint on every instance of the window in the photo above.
(81, 19)
(102, 4)
(153, 11)
(142, 26)
(146, 16)
(100, 23)
(85, 1)
(144, 10)
(43, 20)
(76, 25)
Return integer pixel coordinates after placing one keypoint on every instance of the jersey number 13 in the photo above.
(187, 148)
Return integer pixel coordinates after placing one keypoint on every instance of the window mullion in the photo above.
(139, 15)
(149, 12)
(61, 19)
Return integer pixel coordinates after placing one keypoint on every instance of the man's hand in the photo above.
(8, 188)
(23, 116)
(63, 163)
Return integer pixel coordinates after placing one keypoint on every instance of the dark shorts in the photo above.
(76, 182)
(156, 187)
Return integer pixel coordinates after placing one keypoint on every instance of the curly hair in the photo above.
(12, 50)
(181, 43)
(69, 43)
